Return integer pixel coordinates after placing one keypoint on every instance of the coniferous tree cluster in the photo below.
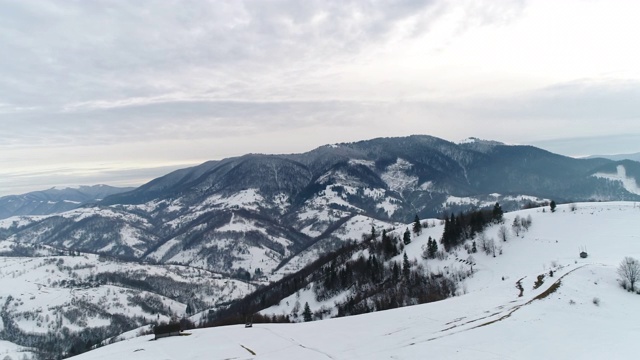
(467, 225)
(431, 249)
(365, 271)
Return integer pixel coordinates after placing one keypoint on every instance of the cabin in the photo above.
(164, 335)
(166, 330)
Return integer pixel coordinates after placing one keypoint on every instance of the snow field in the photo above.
(581, 312)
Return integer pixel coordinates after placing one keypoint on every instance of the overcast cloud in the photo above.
(119, 92)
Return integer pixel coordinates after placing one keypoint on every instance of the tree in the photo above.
(406, 266)
(503, 234)
(552, 206)
(471, 261)
(629, 272)
(432, 247)
(406, 238)
(306, 314)
(517, 225)
(497, 213)
(396, 271)
(417, 227)
(388, 245)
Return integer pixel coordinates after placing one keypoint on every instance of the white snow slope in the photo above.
(579, 313)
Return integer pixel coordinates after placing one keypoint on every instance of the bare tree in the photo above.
(485, 243)
(517, 225)
(503, 234)
(526, 223)
(629, 271)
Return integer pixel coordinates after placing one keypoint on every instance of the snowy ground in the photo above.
(579, 313)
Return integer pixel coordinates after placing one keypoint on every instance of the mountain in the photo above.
(269, 215)
(617, 157)
(560, 312)
(56, 302)
(54, 200)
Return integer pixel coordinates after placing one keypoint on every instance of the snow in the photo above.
(19, 221)
(482, 202)
(629, 183)
(470, 140)
(39, 299)
(368, 163)
(427, 186)
(248, 199)
(14, 351)
(487, 321)
(396, 177)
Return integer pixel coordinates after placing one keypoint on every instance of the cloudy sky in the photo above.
(119, 92)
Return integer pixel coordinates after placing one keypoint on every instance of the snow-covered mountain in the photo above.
(63, 302)
(272, 214)
(536, 298)
(54, 200)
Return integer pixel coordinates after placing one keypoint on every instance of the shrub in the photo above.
(596, 301)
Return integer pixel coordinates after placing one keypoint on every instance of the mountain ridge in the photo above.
(266, 211)
(54, 200)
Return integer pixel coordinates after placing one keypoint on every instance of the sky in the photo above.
(118, 92)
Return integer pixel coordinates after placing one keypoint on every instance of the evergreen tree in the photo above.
(417, 227)
(432, 247)
(552, 206)
(306, 313)
(407, 237)
(406, 266)
(374, 235)
(497, 213)
(474, 249)
(388, 245)
(396, 271)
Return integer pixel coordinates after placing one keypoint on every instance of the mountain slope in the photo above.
(561, 317)
(54, 302)
(269, 211)
(54, 200)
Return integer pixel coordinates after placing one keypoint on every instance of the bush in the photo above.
(596, 301)
(629, 272)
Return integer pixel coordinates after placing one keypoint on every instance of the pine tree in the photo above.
(306, 314)
(417, 227)
(474, 249)
(552, 206)
(388, 245)
(406, 266)
(497, 213)
(407, 237)
(396, 271)
(432, 248)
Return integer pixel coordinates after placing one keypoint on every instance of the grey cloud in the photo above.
(580, 108)
(67, 52)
